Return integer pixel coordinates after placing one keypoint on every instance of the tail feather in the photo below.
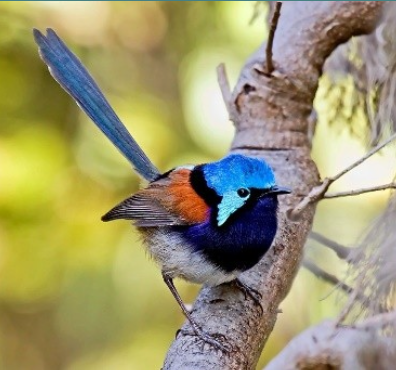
(69, 72)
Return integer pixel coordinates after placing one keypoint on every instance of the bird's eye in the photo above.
(243, 192)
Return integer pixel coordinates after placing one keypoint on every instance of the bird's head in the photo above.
(234, 182)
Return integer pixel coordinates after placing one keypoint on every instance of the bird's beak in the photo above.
(279, 190)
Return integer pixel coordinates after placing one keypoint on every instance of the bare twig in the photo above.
(271, 36)
(333, 280)
(341, 251)
(325, 276)
(351, 301)
(318, 192)
(225, 89)
(340, 194)
(366, 156)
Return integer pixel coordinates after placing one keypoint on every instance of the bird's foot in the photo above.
(255, 295)
(197, 331)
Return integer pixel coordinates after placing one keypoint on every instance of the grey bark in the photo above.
(326, 347)
(272, 120)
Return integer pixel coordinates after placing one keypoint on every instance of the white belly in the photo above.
(177, 259)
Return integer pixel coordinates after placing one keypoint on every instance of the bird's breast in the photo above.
(240, 243)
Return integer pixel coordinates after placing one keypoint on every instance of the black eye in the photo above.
(243, 192)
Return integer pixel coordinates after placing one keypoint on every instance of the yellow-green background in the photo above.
(76, 293)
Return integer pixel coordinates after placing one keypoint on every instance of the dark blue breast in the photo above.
(242, 241)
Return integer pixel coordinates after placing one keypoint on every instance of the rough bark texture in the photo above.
(272, 121)
(326, 347)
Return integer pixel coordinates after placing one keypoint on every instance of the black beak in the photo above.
(279, 190)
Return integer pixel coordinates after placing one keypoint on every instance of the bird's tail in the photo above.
(67, 69)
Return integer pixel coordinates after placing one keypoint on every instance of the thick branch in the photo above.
(326, 346)
(273, 115)
(377, 322)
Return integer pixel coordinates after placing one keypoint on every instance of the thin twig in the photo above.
(271, 36)
(332, 279)
(225, 90)
(341, 251)
(340, 194)
(325, 276)
(318, 192)
(366, 156)
(351, 301)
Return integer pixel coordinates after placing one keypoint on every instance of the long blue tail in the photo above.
(66, 68)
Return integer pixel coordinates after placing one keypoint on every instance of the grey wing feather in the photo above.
(145, 211)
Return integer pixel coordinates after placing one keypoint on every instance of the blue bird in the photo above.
(206, 223)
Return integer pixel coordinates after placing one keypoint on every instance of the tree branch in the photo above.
(225, 91)
(325, 276)
(318, 192)
(366, 156)
(391, 185)
(341, 251)
(272, 123)
(271, 36)
(333, 280)
(377, 322)
(351, 301)
(326, 346)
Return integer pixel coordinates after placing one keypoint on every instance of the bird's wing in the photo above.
(168, 201)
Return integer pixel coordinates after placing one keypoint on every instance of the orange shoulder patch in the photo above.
(184, 199)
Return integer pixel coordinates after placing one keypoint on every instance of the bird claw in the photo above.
(225, 347)
(255, 295)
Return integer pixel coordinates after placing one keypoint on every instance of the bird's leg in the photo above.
(248, 291)
(197, 330)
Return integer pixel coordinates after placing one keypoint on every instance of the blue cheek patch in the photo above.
(228, 205)
(231, 173)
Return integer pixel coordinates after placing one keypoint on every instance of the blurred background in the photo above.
(76, 293)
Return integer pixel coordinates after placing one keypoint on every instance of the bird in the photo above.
(206, 223)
